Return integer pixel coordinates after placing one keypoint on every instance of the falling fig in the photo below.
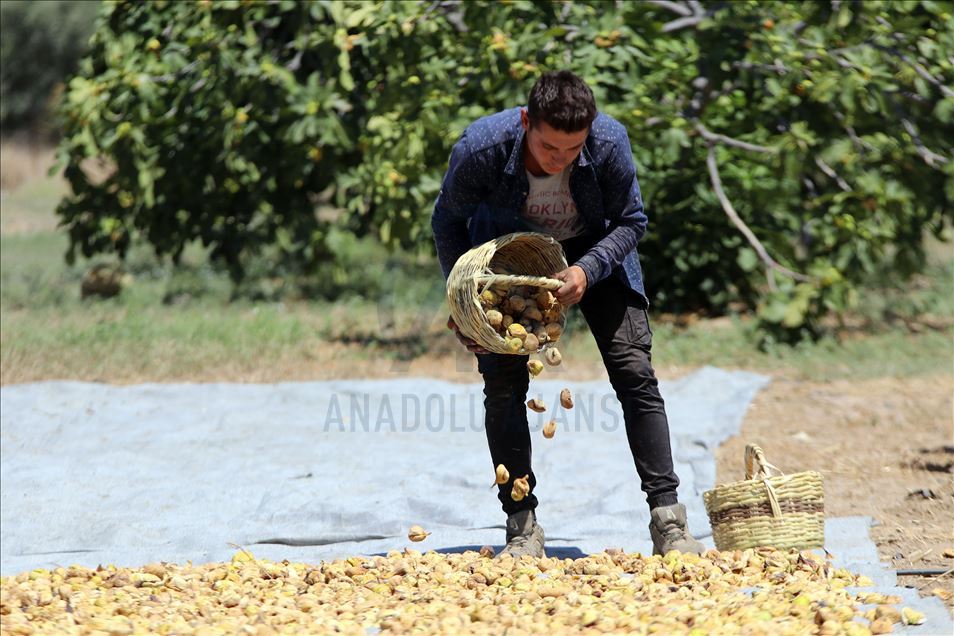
(534, 367)
(503, 475)
(536, 405)
(521, 488)
(566, 399)
(550, 429)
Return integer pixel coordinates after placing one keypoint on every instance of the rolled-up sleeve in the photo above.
(462, 190)
(623, 206)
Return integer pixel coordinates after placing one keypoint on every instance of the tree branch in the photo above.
(682, 23)
(771, 265)
(920, 70)
(454, 15)
(833, 54)
(860, 144)
(930, 157)
(778, 68)
(675, 7)
(729, 141)
(842, 62)
(831, 173)
(168, 78)
(692, 13)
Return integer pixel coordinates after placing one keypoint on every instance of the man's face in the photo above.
(553, 149)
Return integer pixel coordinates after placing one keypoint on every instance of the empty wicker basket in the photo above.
(781, 511)
(522, 258)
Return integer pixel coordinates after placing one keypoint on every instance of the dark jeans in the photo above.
(618, 320)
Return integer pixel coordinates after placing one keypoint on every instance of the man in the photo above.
(561, 168)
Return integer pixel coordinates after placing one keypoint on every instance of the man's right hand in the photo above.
(471, 346)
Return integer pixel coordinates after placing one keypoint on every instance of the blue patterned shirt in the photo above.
(484, 191)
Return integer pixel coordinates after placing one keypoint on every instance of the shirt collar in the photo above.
(584, 159)
(516, 155)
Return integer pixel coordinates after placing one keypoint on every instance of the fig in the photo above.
(536, 405)
(531, 313)
(545, 298)
(502, 475)
(530, 342)
(550, 429)
(566, 399)
(516, 330)
(521, 488)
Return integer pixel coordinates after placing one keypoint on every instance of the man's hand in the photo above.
(574, 284)
(472, 346)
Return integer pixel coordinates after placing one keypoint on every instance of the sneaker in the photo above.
(524, 535)
(667, 527)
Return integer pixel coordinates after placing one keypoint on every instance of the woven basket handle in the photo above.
(757, 467)
(509, 280)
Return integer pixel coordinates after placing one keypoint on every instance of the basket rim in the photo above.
(774, 479)
(463, 289)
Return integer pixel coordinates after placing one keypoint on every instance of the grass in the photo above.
(892, 353)
(28, 196)
(180, 324)
(188, 323)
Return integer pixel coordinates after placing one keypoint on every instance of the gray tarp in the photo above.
(93, 473)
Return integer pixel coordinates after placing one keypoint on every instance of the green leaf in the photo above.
(748, 260)
(344, 62)
(362, 15)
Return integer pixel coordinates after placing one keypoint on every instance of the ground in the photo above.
(885, 450)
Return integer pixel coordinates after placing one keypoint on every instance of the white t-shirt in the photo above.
(550, 208)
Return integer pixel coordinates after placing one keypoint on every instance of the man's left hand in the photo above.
(574, 284)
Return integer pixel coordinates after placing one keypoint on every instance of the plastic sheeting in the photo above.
(94, 473)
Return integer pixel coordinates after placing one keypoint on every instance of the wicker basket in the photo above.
(522, 258)
(782, 511)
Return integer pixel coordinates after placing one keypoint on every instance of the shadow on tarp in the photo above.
(567, 552)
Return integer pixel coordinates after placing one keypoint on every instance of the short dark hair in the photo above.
(562, 100)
